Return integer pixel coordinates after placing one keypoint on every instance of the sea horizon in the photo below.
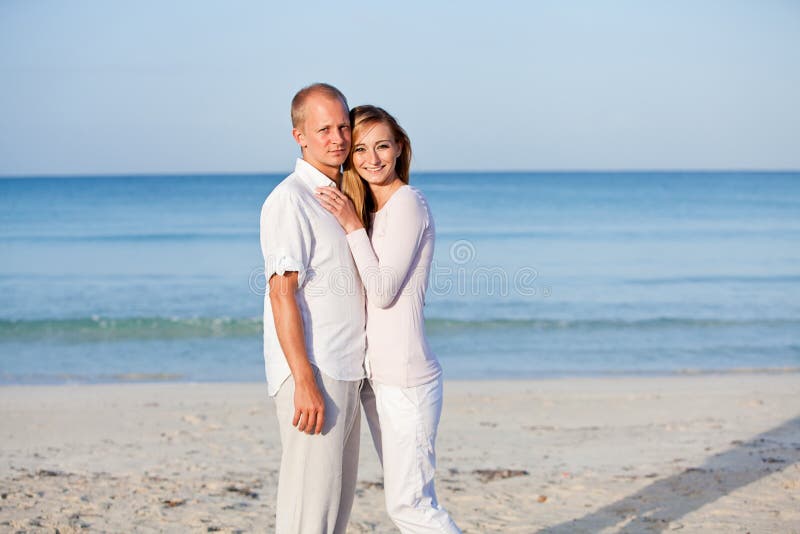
(289, 168)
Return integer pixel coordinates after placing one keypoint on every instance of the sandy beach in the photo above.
(711, 453)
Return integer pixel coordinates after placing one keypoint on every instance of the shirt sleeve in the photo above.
(285, 238)
(383, 277)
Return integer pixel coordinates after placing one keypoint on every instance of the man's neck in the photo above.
(335, 175)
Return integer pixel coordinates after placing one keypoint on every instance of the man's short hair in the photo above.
(299, 100)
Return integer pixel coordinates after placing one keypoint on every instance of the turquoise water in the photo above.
(535, 274)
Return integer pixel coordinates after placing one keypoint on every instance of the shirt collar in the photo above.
(311, 176)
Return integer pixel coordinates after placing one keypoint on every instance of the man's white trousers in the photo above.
(317, 480)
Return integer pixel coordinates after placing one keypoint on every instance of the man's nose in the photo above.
(337, 137)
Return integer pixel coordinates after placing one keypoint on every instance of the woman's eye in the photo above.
(359, 149)
(383, 146)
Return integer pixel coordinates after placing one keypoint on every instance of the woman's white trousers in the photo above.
(403, 423)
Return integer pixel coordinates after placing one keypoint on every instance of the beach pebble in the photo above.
(487, 475)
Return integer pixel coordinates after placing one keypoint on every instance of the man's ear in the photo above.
(299, 137)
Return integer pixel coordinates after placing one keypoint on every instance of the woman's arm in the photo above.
(406, 221)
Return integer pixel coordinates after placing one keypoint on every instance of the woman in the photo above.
(391, 235)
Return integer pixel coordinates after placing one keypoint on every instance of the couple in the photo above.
(328, 237)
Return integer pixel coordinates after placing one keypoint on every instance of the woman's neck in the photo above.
(382, 193)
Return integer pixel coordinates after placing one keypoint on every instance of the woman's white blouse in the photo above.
(394, 264)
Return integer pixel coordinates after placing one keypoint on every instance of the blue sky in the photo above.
(96, 87)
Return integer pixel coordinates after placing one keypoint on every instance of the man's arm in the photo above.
(309, 406)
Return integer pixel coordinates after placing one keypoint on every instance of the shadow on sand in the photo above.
(654, 507)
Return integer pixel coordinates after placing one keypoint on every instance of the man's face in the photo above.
(324, 135)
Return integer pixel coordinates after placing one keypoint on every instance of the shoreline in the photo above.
(173, 378)
(697, 453)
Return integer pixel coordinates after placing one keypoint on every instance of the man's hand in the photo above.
(309, 406)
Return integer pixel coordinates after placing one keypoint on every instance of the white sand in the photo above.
(689, 453)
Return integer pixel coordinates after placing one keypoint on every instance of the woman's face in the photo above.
(375, 153)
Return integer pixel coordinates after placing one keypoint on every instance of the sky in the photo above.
(198, 86)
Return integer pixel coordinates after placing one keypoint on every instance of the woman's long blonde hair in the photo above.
(353, 186)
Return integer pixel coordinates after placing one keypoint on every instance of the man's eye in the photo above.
(323, 130)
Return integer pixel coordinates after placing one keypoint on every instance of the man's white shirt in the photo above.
(298, 234)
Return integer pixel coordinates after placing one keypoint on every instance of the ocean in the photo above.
(546, 274)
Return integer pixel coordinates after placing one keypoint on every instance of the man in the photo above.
(314, 325)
